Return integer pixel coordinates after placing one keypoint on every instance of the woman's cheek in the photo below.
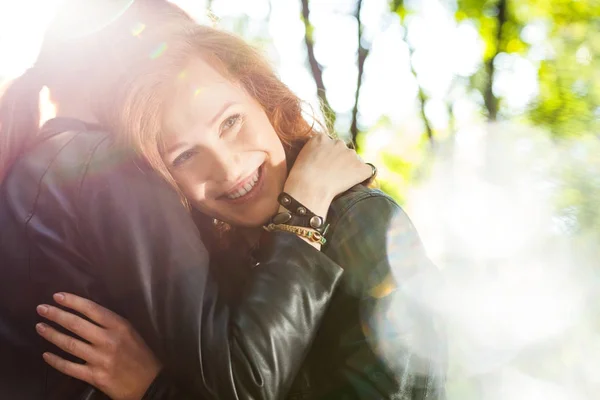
(193, 191)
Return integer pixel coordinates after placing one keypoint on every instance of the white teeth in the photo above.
(245, 189)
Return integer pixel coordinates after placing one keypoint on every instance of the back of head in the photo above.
(87, 50)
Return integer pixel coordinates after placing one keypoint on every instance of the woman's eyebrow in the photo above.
(175, 147)
(221, 112)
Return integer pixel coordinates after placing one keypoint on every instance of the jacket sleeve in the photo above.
(399, 346)
(156, 271)
(164, 388)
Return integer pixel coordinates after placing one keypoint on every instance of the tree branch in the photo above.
(315, 67)
(421, 94)
(363, 53)
(490, 100)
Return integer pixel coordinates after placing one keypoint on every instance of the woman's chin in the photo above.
(259, 218)
(256, 216)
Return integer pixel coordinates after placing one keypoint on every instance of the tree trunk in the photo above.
(315, 67)
(421, 94)
(491, 101)
(362, 55)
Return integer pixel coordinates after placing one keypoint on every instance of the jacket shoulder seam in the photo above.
(88, 162)
(41, 179)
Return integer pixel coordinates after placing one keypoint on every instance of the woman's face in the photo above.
(222, 149)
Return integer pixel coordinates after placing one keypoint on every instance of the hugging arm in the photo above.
(155, 269)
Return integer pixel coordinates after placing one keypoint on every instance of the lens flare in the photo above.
(138, 29)
(76, 19)
(511, 220)
(158, 51)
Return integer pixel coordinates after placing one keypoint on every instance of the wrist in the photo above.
(160, 385)
(151, 383)
(317, 199)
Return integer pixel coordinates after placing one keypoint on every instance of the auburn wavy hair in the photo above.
(137, 115)
(137, 112)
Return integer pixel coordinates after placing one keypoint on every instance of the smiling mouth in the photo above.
(247, 189)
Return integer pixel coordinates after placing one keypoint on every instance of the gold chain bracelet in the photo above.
(311, 235)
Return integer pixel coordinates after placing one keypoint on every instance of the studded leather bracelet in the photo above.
(298, 215)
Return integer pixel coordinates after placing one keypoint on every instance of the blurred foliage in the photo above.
(568, 103)
(578, 194)
(565, 50)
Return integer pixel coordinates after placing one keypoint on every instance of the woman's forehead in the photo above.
(200, 91)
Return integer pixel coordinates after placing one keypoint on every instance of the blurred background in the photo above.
(483, 117)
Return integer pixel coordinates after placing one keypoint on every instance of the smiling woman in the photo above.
(223, 167)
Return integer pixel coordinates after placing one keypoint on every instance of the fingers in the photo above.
(68, 343)
(367, 172)
(93, 311)
(78, 371)
(73, 323)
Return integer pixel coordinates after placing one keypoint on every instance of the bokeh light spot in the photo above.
(138, 29)
(160, 49)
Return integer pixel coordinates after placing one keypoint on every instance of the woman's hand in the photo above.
(324, 168)
(118, 361)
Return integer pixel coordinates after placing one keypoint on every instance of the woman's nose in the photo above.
(225, 167)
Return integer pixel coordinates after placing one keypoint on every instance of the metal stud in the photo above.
(282, 218)
(316, 222)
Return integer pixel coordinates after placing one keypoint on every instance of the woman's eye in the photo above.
(183, 157)
(231, 122)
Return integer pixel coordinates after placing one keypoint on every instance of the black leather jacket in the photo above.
(377, 341)
(79, 215)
